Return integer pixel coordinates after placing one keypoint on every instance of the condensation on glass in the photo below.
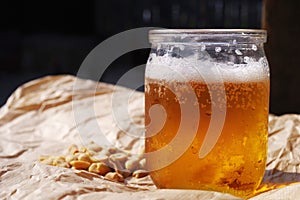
(206, 109)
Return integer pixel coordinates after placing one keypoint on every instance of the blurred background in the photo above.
(39, 38)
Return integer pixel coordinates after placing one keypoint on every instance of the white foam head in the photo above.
(193, 69)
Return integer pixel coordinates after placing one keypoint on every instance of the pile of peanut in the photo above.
(110, 162)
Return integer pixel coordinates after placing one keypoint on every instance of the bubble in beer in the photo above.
(218, 49)
(246, 59)
(238, 52)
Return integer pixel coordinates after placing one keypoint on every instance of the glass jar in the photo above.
(206, 109)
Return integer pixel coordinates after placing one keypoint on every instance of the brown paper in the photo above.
(45, 116)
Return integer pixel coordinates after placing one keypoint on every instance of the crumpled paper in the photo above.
(45, 116)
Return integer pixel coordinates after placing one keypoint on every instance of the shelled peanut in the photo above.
(110, 162)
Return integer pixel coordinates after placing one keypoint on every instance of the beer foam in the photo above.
(193, 69)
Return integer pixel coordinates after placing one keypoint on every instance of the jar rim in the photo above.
(208, 35)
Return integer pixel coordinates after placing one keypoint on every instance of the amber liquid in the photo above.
(236, 163)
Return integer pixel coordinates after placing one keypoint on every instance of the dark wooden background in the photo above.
(282, 20)
(38, 38)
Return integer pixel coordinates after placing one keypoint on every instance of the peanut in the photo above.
(132, 164)
(100, 158)
(42, 158)
(58, 160)
(70, 158)
(73, 149)
(82, 149)
(63, 164)
(99, 168)
(94, 147)
(48, 161)
(78, 164)
(122, 157)
(90, 152)
(140, 173)
(114, 176)
(84, 157)
(112, 150)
